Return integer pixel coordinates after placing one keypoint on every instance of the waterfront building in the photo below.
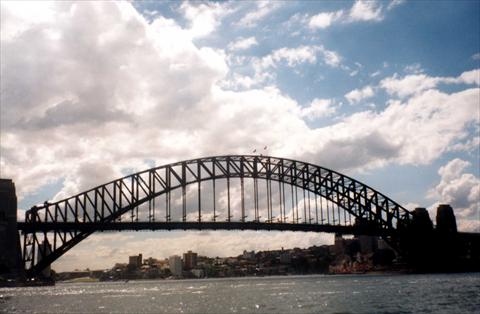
(383, 245)
(189, 260)
(285, 258)
(248, 255)
(150, 261)
(198, 272)
(368, 244)
(135, 260)
(339, 244)
(175, 263)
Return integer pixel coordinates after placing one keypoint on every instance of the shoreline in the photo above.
(366, 274)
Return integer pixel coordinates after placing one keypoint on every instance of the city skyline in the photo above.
(386, 92)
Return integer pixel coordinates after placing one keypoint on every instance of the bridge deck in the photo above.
(118, 226)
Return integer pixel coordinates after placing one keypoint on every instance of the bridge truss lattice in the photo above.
(227, 192)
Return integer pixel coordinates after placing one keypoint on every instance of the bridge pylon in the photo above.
(11, 266)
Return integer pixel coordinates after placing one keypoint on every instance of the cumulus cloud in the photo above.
(409, 84)
(358, 95)
(318, 108)
(324, 19)
(204, 18)
(469, 77)
(88, 96)
(414, 132)
(260, 11)
(415, 68)
(361, 11)
(395, 3)
(242, 43)
(298, 55)
(469, 145)
(366, 11)
(261, 67)
(462, 191)
(415, 83)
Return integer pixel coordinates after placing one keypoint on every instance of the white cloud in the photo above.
(361, 11)
(353, 73)
(357, 95)
(366, 11)
(204, 18)
(414, 132)
(395, 3)
(469, 145)
(476, 56)
(242, 43)
(331, 58)
(299, 55)
(415, 68)
(461, 190)
(261, 10)
(470, 77)
(125, 95)
(238, 81)
(324, 19)
(34, 11)
(318, 108)
(292, 56)
(415, 83)
(408, 85)
(261, 72)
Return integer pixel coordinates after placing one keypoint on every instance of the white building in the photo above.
(248, 255)
(199, 273)
(175, 263)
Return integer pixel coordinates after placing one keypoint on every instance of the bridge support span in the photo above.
(222, 192)
(136, 226)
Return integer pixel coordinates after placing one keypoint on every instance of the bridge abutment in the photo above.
(440, 248)
(10, 258)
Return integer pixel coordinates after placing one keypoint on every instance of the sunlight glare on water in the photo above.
(441, 293)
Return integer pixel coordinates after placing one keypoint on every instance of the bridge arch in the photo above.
(53, 228)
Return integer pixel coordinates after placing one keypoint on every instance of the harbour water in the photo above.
(436, 293)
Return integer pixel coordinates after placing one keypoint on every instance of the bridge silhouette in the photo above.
(244, 192)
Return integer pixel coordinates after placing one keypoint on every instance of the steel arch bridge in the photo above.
(276, 193)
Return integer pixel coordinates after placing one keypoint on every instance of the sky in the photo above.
(386, 92)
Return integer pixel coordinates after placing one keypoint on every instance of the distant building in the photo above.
(339, 244)
(383, 245)
(150, 261)
(189, 260)
(175, 263)
(368, 244)
(199, 273)
(285, 258)
(248, 255)
(135, 260)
